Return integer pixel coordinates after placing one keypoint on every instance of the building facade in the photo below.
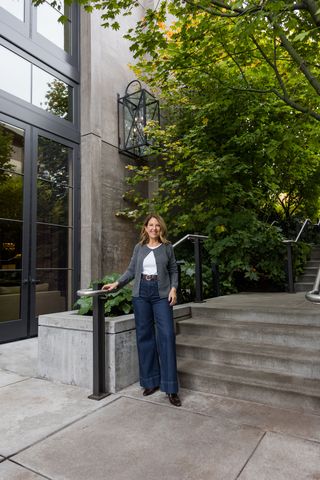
(61, 176)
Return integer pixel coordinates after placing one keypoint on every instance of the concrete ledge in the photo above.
(65, 348)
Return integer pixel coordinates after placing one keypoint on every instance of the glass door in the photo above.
(14, 230)
(53, 235)
(37, 240)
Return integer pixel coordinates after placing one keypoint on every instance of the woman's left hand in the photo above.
(172, 296)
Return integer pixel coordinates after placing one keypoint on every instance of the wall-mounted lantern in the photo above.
(135, 109)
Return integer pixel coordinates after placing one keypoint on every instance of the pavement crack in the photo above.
(251, 455)
(9, 457)
(31, 470)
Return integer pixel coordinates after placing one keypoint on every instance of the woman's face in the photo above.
(153, 229)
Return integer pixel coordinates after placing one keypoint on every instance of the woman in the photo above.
(155, 272)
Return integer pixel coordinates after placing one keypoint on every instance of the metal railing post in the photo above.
(198, 270)
(98, 341)
(290, 267)
(179, 292)
(215, 279)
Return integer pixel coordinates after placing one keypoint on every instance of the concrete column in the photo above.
(106, 240)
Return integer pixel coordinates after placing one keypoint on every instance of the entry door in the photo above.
(14, 229)
(36, 228)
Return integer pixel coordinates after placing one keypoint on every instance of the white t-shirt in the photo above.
(149, 266)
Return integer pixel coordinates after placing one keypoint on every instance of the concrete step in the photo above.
(303, 286)
(249, 384)
(313, 263)
(307, 278)
(295, 361)
(311, 270)
(253, 332)
(271, 314)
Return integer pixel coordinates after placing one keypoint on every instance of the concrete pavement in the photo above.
(54, 432)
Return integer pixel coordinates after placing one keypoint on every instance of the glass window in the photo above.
(54, 162)
(52, 246)
(15, 7)
(11, 148)
(51, 291)
(11, 169)
(10, 245)
(10, 282)
(53, 203)
(48, 25)
(15, 75)
(51, 94)
(35, 85)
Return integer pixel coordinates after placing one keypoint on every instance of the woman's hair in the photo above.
(144, 237)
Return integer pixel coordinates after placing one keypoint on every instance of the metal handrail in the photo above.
(313, 295)
(289, 244)
(197, 258)
(307, 220)
(99, 390)
(190, 236)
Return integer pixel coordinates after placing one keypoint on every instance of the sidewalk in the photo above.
(53, 431)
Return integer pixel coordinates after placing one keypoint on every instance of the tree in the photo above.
(278, 36)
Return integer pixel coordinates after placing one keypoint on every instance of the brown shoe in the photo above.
(174, 399)
(149, 391)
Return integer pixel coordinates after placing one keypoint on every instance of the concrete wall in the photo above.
(106, 241)
(65, 348)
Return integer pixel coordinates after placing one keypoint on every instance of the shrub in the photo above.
(118, 302)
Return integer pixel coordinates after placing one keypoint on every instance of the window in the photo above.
(48, 25)
(32, 84)
(15, 75)
(15, 7)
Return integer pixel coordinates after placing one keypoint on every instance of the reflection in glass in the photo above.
(15, 75)
(11, 148)
(10, 245)
(11, 195)
(53, 203)
(49, 27)
(15, 7)
(10, 283)
(51, 291)
(51, 94)
(54, 162)
(52, 246)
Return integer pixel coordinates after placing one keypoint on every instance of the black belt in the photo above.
(149, 277)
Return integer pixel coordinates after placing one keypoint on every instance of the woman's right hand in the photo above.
(110, 286)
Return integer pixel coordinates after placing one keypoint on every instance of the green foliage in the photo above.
(118, 302)
(187, 283)
(250, 254)
(239, 145)
(278, 39)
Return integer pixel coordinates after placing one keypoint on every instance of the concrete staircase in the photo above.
(305, 282)
(258, 355)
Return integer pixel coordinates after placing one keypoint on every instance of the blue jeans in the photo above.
(156, 339)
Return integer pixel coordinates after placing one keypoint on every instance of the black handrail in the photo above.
(289, 244)
(196, 239)
(98, 340)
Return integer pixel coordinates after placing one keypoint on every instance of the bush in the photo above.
(250, 255)
(119, 302)
(187, 282)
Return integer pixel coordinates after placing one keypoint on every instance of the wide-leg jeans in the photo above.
(155, 339)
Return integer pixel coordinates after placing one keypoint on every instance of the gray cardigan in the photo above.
(167, 268)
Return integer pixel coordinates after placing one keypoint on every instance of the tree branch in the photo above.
(297, 58)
